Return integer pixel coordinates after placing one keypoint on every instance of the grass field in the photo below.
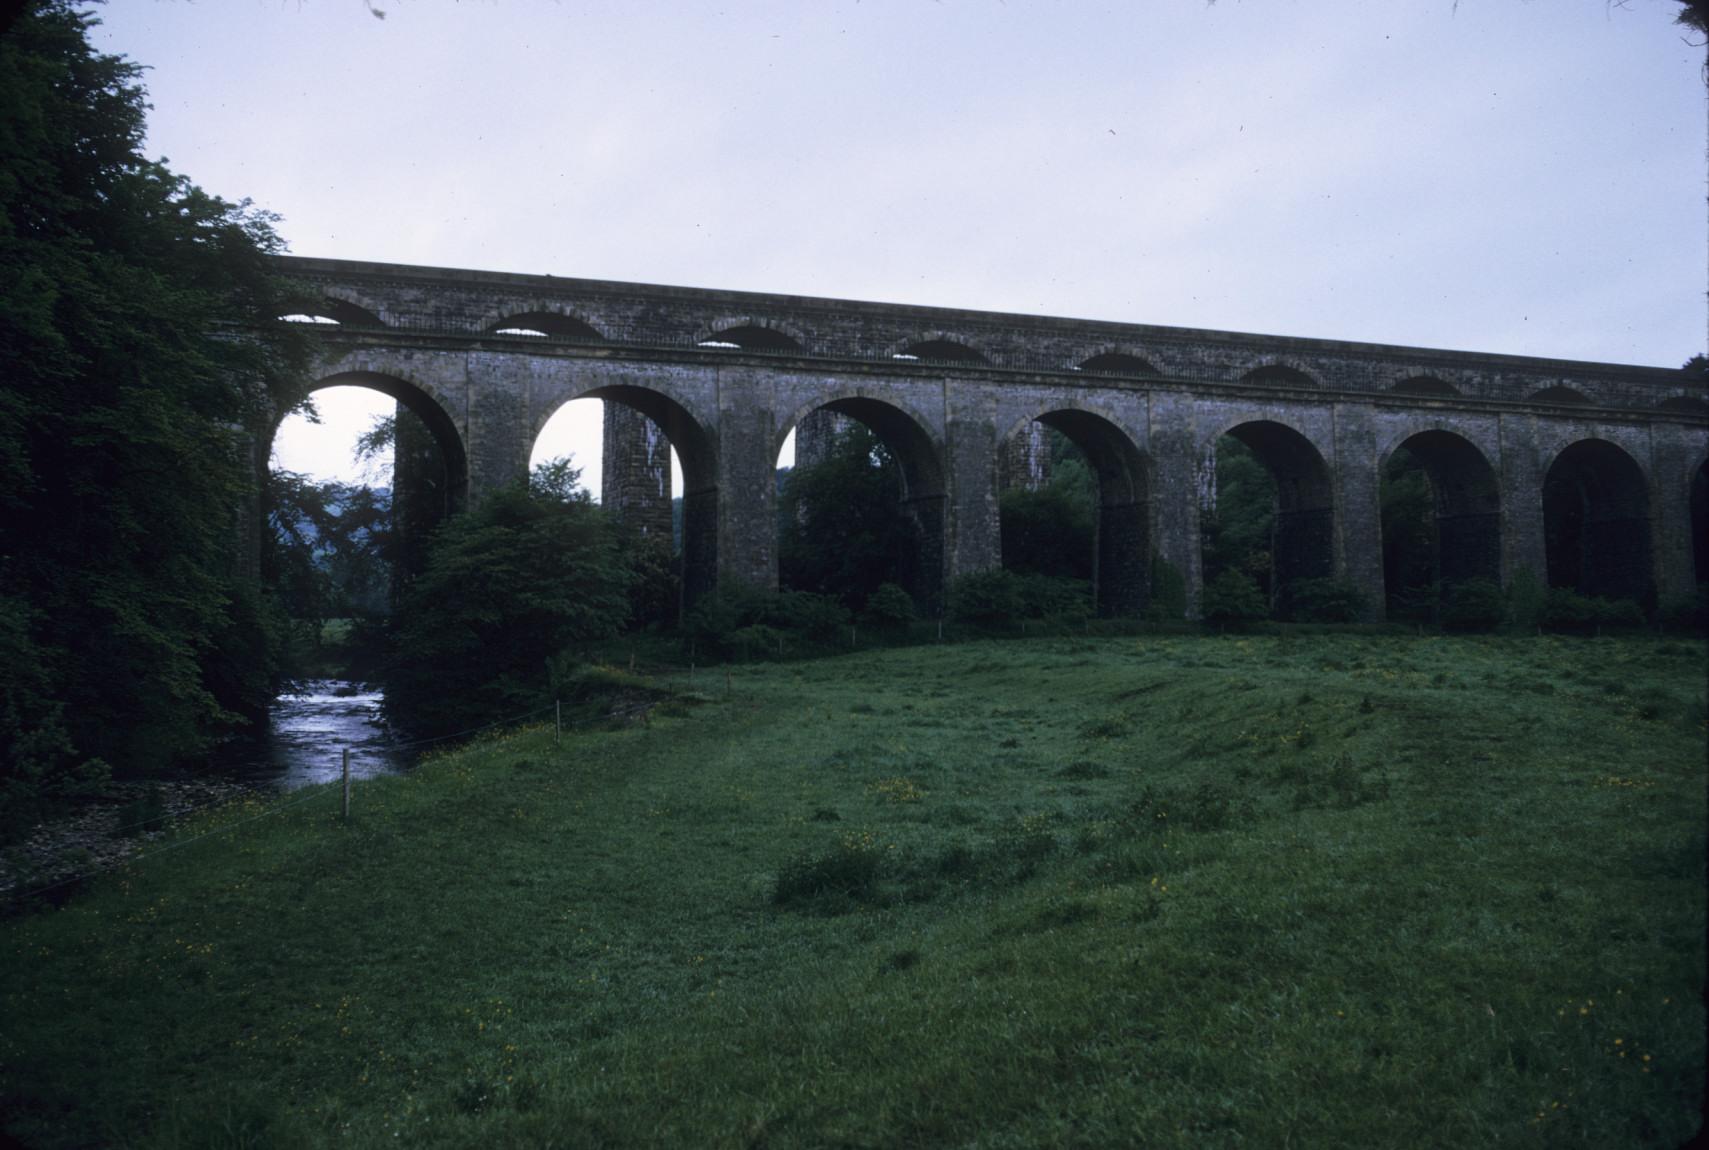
(1327, 891)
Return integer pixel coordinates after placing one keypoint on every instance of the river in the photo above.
(306, 734)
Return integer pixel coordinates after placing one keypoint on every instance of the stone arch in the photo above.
(1559, 394)
(1466, 495)
(637, 488)
(1302, 539)
(1116, 361)
(1277, 372)
(752, 333)
(1596, 522)
(545, 324)
(938, 347)
(1122, 528)
(430, 475)
(1424, 385)
(919, 455)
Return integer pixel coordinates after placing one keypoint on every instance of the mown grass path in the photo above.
(1328, 891)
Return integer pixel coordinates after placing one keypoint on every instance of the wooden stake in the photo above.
(346, 758)
(557, 721)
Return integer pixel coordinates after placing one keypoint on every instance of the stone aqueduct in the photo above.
(727, 375)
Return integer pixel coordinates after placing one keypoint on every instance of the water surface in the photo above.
(307, 732)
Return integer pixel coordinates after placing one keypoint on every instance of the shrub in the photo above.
(1323, 601)
(846, 873)
(506, 587)
(985, 597)
(1054, 597)
(1474, 605)
(1569, 611)
(889, 606)
(1233, 597)
(816, 616)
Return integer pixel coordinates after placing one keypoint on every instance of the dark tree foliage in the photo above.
(843, 532)
(508, 591)
(328, 554)
(123, 386)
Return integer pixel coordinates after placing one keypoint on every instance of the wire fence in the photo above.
(18, 896)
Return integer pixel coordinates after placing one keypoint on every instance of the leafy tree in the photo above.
(508, 589)
(122, 399)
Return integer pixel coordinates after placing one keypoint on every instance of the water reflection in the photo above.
(307, 732)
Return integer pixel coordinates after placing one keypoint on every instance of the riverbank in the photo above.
(1342, 890)
(55, 856)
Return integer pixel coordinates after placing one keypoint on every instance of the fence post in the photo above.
(726, 682)
(557, 721)
(346, 771)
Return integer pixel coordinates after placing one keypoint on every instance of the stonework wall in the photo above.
(428, 336)
(635, 479)
(1025, 461)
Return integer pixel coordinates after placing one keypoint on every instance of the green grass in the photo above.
(1327, 891)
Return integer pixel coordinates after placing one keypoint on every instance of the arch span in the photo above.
(1121, 513)
(923, 498)
(641, 426)
(1302, 533)
(1596, 523)
(1465, 495)
(430, 464)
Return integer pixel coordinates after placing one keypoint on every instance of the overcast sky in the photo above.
(1504, 176)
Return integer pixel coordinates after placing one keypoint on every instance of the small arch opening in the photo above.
(752, 337)
(940, 351)
(330, 312)
(545, 325)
